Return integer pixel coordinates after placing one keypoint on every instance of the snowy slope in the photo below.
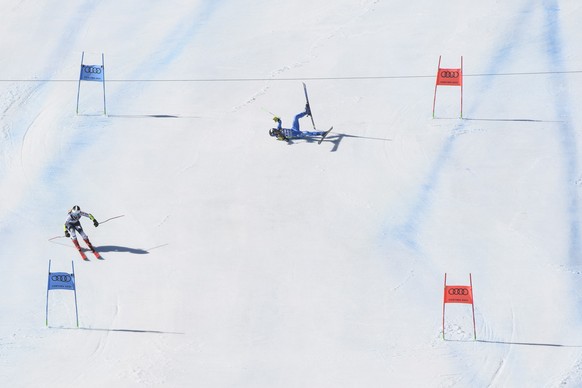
(243, 261)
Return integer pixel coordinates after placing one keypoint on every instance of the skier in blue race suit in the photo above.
(294, 132)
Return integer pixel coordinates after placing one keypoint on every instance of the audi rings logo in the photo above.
(61, 278)
(449, 74)
(92, 69)
(458, 291)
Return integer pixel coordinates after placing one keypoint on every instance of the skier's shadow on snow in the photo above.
(116, 248)
(336, 140)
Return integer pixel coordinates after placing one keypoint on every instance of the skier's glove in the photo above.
(67, 234)
(276, 119)
(95, 223)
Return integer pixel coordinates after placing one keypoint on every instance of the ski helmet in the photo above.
(273, 131)
(76, 208)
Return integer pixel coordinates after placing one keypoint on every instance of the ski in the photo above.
(324, 135)
(92, 249)
(97, 255)
(78, 247)
(308, 105)
(83, 255)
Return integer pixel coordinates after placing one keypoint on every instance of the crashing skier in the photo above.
(73, 225)
(294, 132)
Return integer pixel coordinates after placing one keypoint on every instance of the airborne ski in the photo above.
(324, 135)
(308, 106)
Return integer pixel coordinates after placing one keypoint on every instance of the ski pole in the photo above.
(269, 112)
(112, 218)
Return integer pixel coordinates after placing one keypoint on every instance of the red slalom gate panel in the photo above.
(448, 77)
(459, 294)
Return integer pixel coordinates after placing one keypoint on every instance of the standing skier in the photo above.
(294, 132)
(73, 225)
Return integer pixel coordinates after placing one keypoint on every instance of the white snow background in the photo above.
(241, 261)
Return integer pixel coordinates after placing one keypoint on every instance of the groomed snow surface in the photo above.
(241, 261)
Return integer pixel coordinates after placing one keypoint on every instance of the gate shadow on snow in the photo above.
(518, 343)
(515, 120)
(117, 330)
(155, 116)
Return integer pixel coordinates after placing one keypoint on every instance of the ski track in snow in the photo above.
(312, 54)
(183, 33)
(406, 233)
(562, 105)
